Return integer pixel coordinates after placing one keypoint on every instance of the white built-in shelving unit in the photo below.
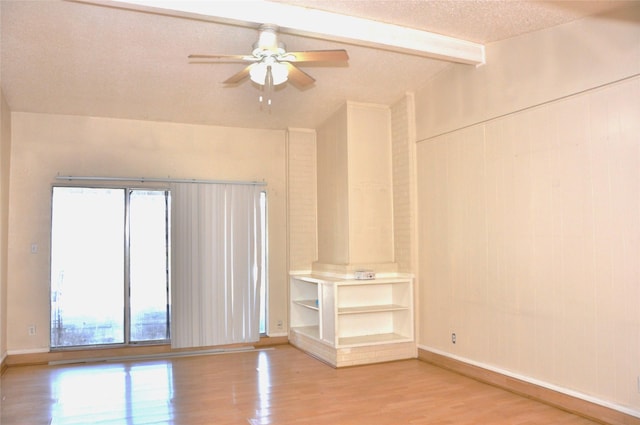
(349, 321)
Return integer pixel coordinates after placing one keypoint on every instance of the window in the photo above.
(109, 266)
(110, 260)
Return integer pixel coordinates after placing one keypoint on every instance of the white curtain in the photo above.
(215, 264)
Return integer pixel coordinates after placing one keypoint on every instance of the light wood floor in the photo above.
(272, 386)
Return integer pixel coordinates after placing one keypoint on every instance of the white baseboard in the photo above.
(277, 334)
(533, 381)
(28, 351)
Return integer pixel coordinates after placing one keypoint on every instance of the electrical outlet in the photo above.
(31, 330)
(453, 338)
(279, 324)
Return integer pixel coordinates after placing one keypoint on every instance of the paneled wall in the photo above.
(531, 236)
(5, 153)
(529, 210)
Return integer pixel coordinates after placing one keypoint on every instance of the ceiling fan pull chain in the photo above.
(268, 84)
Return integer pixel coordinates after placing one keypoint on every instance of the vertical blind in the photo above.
(216, 260)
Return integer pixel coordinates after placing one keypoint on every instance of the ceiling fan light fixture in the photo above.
(279, 73)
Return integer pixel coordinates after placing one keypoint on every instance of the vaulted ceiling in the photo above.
(129, 60)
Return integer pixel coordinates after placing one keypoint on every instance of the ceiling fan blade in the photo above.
(298, 77)
(236, 78)
(318, 56)
(233, 58)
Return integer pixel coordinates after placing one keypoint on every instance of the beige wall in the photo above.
(46, 145)
(5, 153)
(355, 193)
(529, 209)
(333, 191)
(370, 185)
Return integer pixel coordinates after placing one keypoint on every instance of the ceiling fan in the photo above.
(271, 64)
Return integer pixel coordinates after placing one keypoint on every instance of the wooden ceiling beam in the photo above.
(317, 24)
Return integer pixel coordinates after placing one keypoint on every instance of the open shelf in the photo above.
(312, 304)
(372, 309)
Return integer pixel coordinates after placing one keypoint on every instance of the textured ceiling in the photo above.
(482, 21)
(76, 58)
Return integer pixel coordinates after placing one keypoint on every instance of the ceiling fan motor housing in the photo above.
(267, 43)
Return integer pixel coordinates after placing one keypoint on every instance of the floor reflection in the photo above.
(113, 393)
(263, 399)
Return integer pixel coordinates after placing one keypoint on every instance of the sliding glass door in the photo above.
(148, 265)
(109, 266)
